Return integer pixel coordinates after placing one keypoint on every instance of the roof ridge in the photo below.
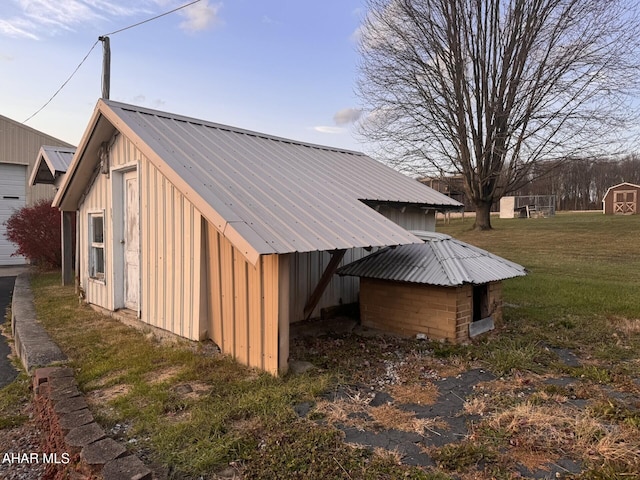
(229, 128)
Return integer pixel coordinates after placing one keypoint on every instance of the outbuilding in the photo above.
(443, 289)
(19, 147)
(214, 232)
(621, 199)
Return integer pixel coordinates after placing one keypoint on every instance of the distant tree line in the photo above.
(580, 183)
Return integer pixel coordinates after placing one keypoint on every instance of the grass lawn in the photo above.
(189, 412)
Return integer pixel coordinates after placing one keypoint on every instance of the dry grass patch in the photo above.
(558, 431)
(106, 395)
(626, 326)
(421, 394)
(166, 374)
(390, 417)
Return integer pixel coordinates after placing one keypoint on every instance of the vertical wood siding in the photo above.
(306, 270)
(171, 259)
(170, 244)
(412, 218)
(97, 199)
(243, 303)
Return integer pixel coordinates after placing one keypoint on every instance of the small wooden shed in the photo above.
(443, 289)
(214, 232)
(621, 199)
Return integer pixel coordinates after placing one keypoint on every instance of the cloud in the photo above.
(141, 99)
(327, 129)
(15, 30)
(200, 16)
(34, 18)
(347, 116)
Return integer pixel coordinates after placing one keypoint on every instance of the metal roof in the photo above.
(272, 194)
(51, 162)
(440, 260)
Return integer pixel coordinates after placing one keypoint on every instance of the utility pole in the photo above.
(106, 67)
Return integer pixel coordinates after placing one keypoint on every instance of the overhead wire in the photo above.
(94, 46)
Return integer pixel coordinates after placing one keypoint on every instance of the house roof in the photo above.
(440, 260)
(51, 162)
(265, 194)
(632, 185)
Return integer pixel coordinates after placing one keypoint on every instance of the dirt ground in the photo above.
(398, 396)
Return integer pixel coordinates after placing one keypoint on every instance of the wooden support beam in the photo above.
(336, 258)
(67, 250)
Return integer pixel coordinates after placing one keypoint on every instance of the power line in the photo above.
(94, 46)
(65, 82)
(152, 19)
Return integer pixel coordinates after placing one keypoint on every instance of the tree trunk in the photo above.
(483, 216)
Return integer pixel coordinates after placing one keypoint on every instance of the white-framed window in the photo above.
(96, 246)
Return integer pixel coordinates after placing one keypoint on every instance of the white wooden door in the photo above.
(131, 241)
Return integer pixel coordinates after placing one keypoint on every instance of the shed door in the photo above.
(624, 202)
(12, 197)
(131, 241)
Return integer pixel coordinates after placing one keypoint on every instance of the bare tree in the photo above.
(487, 88)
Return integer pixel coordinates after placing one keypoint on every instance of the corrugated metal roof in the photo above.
(278, 195)
(58, 158)
(440, 260)
(51, 162)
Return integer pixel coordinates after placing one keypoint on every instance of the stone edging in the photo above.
(33, 345)
(78, 442)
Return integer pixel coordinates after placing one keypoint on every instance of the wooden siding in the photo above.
(609, 201)
(412, 218)
(97, 200)
(305, 272)
(243, 303)
(170, 244)
(171, 257)
(20, 144)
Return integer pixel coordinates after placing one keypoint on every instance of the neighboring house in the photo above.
(443, 289)
(621, 199)
(19, 146)
(213, 232)
(51, 165)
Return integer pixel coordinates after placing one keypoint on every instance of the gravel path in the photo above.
(21, 440)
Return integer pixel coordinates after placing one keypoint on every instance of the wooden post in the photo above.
(284, 293)
(67, 250)
(106, 67)
(336, 258)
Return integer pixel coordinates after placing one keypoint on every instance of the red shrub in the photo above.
(36, 232)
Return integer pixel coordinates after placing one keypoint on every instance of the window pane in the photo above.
(99, 261)
(98, 229)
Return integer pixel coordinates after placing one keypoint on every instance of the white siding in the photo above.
(411, 218)
(306, 270)
(170, 243)
(96, 200)
(19, 145)
(12, 198)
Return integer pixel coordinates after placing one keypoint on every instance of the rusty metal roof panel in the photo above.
(285, 196)
(440, 260)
